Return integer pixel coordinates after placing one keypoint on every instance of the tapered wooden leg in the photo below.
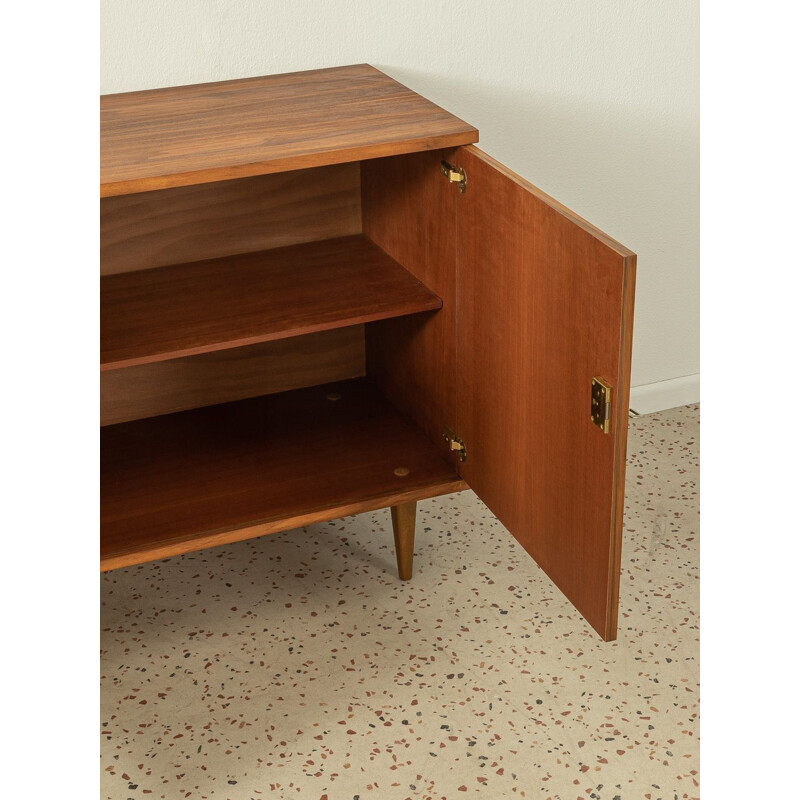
(404, 519)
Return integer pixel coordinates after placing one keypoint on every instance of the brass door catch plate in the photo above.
(455, 175)
(455, 444)
(601, 404)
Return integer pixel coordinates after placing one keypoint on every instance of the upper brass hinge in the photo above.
(455, 175)
(455, 444)
(601, 405)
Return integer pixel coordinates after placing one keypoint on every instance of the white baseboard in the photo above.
(662, 395)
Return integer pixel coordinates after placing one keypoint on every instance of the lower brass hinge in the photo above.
(601, 405)
(455, 444)
(455, 175)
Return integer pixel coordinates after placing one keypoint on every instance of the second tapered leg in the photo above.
(404, 519)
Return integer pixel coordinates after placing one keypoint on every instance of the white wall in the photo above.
(594, 101)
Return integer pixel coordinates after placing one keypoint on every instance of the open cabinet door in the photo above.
(544, 305)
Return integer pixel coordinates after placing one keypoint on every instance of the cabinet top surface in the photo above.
(201, 133)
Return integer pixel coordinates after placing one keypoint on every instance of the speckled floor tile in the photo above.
(299, 666)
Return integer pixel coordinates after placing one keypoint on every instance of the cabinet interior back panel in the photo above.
(173, 226)
(149, 390)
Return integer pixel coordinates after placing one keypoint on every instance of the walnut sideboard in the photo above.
(318, 298)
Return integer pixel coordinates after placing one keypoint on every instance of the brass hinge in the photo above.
(601, 404)
(455, 175)
(455, 444)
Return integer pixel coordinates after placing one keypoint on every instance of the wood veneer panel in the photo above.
(186, 309)
(192, 223)
(181, 482)
(179, 384)
(409, 211)
(545, 303)
(208, 132)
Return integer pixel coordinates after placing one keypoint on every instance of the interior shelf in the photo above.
(170, 312)
(181, 482)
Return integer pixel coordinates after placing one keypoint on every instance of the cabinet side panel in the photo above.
(408, 211)
(193, 223)
(149, 390)
(545, 305)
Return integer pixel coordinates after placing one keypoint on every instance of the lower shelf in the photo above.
(185, 481)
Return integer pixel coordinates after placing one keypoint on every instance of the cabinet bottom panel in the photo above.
(181, 482)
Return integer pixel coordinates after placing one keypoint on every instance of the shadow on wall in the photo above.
(602, 158)
(631, 171)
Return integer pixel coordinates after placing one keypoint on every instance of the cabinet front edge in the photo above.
(290, 163)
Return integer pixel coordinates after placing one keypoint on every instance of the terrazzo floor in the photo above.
(299, 666)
